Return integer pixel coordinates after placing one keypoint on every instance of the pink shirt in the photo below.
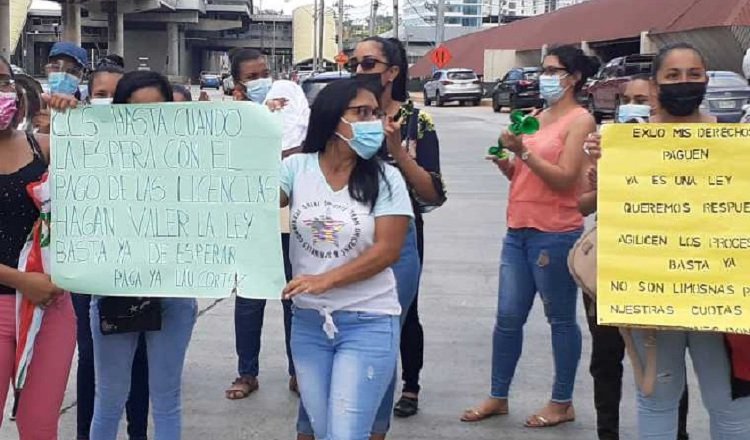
(533, 204)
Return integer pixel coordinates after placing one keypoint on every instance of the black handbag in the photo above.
(128, 315)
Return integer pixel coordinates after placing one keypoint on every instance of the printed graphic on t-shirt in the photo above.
(327, 230)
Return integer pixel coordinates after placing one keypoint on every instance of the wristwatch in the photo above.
(524, 156)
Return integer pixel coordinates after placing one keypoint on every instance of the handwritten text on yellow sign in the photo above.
(674, 226)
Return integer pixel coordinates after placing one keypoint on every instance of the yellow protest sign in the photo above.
(674, 226)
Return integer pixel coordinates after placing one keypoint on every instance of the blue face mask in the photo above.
(550, 88)
(63, 83)
(628, 112)
(257, 89)
(367, 138)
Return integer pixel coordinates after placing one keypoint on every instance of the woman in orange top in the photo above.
(543, 224)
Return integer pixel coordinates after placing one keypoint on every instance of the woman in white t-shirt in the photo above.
(349, 215)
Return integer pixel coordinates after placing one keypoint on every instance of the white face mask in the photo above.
(100, 101)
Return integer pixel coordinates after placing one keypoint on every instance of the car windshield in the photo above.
(313, 88)
(462, 75)
(726, 80)
(637, 68)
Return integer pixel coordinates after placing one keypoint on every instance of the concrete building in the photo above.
(466, 13)
(177, 38)
(305, 37)
(530, 8)
(12, 19)
(420, 40)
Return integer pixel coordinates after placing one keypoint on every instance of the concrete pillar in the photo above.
(71, 22)
(184, 56)
(115, 32)
(173, 49)
(647, 44)
(5, 29)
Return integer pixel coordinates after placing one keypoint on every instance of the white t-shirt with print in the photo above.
(330, 229)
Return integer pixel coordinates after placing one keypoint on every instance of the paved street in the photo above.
(458, 301)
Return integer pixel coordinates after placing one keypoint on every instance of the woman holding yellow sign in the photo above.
(680, 80)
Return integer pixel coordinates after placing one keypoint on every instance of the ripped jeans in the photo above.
(657, 413)
(342, 380)
(534, 261)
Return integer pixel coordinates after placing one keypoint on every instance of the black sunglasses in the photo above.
(367, 64)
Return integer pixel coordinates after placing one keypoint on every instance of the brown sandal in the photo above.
(242, 387)
(475, 415)
(538, 421)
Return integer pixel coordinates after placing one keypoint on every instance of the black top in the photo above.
(17, 211)
(421, 142)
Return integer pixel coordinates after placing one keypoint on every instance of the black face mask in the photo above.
(682, 99)
(372, 81)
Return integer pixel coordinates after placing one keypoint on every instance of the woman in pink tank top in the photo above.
(543, 224)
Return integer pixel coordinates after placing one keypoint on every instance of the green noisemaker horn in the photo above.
(520, 123)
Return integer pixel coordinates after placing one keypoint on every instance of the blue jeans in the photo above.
(137, 407)
(407, 271)
(657, 413)
(113, 361)
(343, 380)
(248, 325)
(533, 261)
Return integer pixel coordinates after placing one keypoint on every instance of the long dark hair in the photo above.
(326, 112)
(575, 61)
(666, 50)
(394, 52)
(131, 82)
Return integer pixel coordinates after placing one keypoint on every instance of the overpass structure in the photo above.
(176, 37)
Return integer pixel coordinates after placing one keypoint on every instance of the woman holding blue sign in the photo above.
(167, 323)
(102, 86)
(349, 215)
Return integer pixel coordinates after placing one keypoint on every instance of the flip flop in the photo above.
(472, 415)
(543, 422)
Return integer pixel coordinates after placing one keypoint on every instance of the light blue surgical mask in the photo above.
(63, 83)
(257, 89)
(628, 112)
(550, 88)
(367, 137)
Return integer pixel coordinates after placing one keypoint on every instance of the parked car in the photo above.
(228, 85)
(210, 80)
(449, 85)
(608, 86)
(727, 95)
(519, 88)
(312, 85)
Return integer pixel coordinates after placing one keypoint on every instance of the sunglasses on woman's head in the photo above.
(366, 63)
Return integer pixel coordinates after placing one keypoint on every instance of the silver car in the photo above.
(452, 85)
